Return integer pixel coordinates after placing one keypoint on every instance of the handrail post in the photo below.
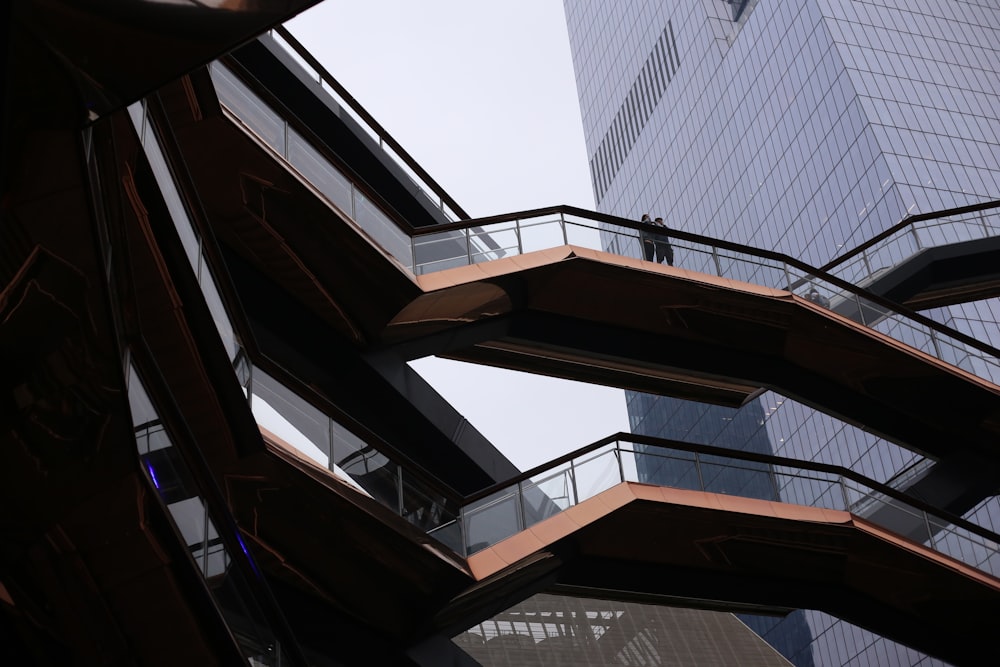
(572, 479)
(468, 246)
(463, 533)
(774, 482)
(936, 345)
(843, 492)
(916, 237)
(517, 233)
(930, 535)
(717, 262)
(618, 455)
(399, 491)
(522, 519)
(562, 223)
(697, 469)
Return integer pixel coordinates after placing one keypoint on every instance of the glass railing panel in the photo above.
(494, 241)
(425, 510)
(542, 232)
(585, 233)
(377, 474)
(966, 546)
(253, 111)
(450, 534)
(185, 229)
(492, 519)
(382, 229)
(168, 189)
(289, 417)
(548, 494)
(739, 266)
(440, 251)
(218, 309)
(320, 173)
(737, 478)
(668, 467)
(596, 472)
(703, 259)
(619, 240)
(799, 488)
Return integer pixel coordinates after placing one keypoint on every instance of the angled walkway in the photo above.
(930, 260)
(723, 548)
(667, 545)
(588, 315)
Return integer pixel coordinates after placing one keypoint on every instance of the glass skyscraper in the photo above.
(807, 127)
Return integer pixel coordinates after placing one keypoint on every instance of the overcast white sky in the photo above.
(482, 95)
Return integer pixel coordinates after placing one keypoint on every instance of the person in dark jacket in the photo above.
(661, 244)
(646, 236)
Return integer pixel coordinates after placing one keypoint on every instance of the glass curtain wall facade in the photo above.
(807, 127)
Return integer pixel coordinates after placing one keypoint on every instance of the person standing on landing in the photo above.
(661, 244)
(646, 236)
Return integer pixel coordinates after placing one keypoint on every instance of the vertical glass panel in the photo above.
(172, 198)
(137, 113)
(541, 233)
(437, 252)
(289, 418)
(667, 467)
(596, 472)
(739, 478)
(492, 519)
(493, 242)
(318, 171)
(245, 105)
(425, 510)
(382, 229)
(219, 315)
(450, 535)
(370, 469)
(582, 232)
(548, 494)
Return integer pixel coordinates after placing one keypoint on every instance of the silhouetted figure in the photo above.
(661, 243)
(818, 298)
(646, 236)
